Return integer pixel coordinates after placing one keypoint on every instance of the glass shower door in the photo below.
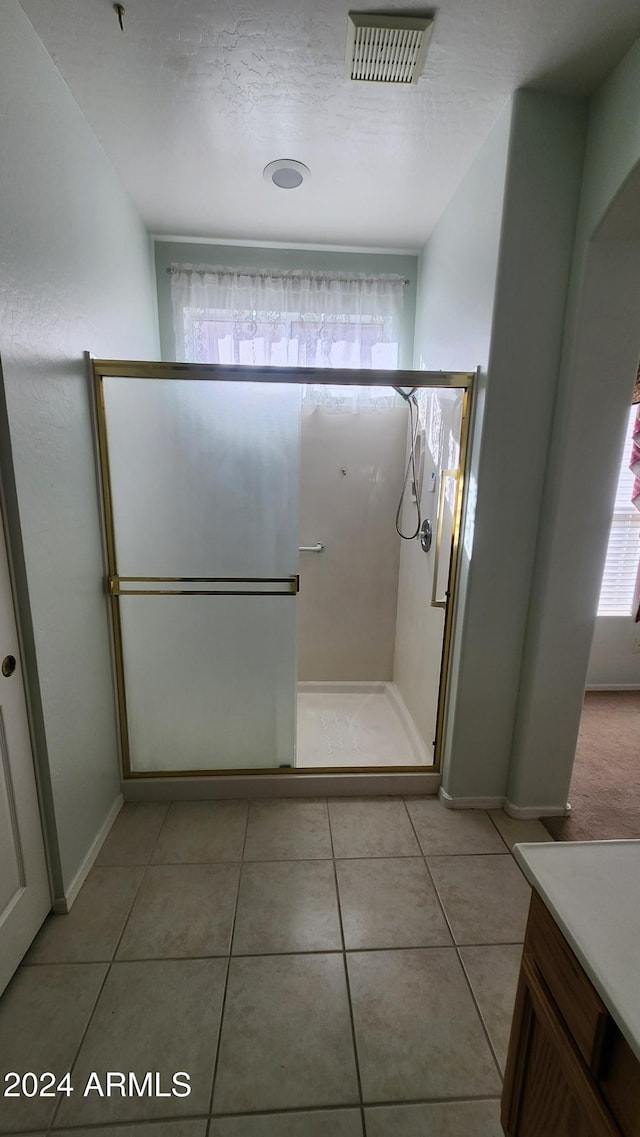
(203, 481)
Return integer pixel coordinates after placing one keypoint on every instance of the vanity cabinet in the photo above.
(570, 1072)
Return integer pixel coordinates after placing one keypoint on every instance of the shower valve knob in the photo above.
(426, 535)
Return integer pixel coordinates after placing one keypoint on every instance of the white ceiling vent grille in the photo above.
(386, 49)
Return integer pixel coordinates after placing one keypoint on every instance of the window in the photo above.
(286, 319)
(621, 567)
(292, 318)
(287, 339)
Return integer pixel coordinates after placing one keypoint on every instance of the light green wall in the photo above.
(179, 252)
(492, 293)
(76, 275)
(614, 660)
(600, 353)
(613, 142)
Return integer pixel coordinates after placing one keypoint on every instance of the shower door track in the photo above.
(379, 776)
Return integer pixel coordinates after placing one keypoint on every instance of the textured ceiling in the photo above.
(195, 97)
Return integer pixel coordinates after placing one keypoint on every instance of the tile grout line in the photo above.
(134, 864)
(307, 857)
(433, 883)
(160, 830)
(500, 834)
(477, 1006)
(346, 975)
(286, 1111)
(105, 1126)
(228, 969)
(466, 973)
(312, 1109)
(112, 960)
(145, 868)
(59, 1103)
(131, 907)
(457, 951)
(273, 954)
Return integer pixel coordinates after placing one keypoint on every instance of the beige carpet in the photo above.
(605, 788)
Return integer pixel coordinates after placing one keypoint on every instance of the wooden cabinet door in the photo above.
(548, 1090)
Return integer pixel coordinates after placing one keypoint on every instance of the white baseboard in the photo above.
(62, 904)
(517, 811)
(612, 687)
(470, 802)
(526, 813)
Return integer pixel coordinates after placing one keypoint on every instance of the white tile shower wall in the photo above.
(348, 593)
(419, 627)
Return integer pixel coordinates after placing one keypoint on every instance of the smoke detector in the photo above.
(386, 49)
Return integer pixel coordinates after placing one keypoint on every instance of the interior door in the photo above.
(25, 898)
(202, 503)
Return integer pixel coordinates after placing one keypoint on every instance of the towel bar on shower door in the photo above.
(444, 475)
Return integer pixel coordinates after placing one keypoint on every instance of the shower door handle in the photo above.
(201, 585)
(444, 474)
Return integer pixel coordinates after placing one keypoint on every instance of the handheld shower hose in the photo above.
(412, 403)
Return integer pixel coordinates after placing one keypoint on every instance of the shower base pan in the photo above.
(356, 725)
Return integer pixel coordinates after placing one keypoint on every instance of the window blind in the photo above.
(623, 552)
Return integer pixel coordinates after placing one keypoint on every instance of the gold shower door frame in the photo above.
(131, 369)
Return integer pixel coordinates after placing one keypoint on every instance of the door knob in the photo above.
(8, 665)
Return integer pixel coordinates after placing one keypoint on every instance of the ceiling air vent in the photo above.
(386, 49)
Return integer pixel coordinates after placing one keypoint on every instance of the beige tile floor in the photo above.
(319, 969)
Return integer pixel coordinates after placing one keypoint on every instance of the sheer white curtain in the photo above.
(291, 319)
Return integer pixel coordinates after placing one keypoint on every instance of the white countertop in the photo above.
(592, 889)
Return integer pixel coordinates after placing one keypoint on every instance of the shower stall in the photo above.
(373, 469)
(267, 615)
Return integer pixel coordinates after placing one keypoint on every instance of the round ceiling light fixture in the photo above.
(286, 173)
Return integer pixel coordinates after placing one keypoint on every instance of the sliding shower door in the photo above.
(200, 478)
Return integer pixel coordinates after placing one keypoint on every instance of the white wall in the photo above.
(615, 653)
(348, 593)
(601, 346)
(76, 276)
(492, 291)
